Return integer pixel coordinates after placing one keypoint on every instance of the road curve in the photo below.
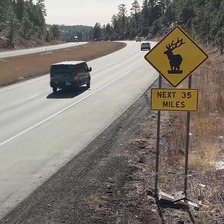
(7, 54)
(42, 131)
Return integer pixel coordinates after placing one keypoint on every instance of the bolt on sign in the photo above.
(174, 100)
(176, 56)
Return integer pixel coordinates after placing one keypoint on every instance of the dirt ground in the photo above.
(16, 69)
(112, 180)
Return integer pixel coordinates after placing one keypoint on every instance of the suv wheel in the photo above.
(88, 84)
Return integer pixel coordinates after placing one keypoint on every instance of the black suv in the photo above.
(70, 74)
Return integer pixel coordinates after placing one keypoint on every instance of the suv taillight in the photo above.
(76, 77)
(51, 75)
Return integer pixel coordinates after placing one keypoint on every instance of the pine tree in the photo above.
(135, 18)
(97, 31)
(55, 32)
(41, 4)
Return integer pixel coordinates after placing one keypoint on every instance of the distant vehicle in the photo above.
(70, 74)
(145, 46)
(75, 39)
(138, 39)
(99, 39)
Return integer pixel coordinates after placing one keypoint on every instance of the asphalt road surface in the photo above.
(41, 131)
(7, 54)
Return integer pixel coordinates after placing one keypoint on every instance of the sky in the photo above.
(83, 12)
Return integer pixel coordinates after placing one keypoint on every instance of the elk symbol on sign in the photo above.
(175, 59)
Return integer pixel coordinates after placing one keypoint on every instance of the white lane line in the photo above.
(31, 97)
(65, 109)
(23, 101)
(23, 84)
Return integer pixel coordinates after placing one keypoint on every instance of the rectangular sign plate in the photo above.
(174, 99)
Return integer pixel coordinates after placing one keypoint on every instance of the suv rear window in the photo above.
(62, 68)
(81, 68)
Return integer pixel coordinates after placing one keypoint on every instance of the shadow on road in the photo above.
(66, 93)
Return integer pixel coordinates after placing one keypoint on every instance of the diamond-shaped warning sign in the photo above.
(176, 56)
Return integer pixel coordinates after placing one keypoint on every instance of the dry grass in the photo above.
(139, 140)
(206, 142)
(19, 68)
(202, 157)
(207, 124)
(95, 201)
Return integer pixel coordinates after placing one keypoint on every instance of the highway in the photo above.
(41, 131)
(19, 52)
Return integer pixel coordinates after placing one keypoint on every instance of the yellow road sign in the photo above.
(176, 56)
(174, 99)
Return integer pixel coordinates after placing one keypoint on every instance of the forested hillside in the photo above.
(204, 18)
(23, 22)
(84, 33)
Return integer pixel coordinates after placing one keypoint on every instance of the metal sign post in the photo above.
(157, 145)
(180, 195)
(187, 143)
